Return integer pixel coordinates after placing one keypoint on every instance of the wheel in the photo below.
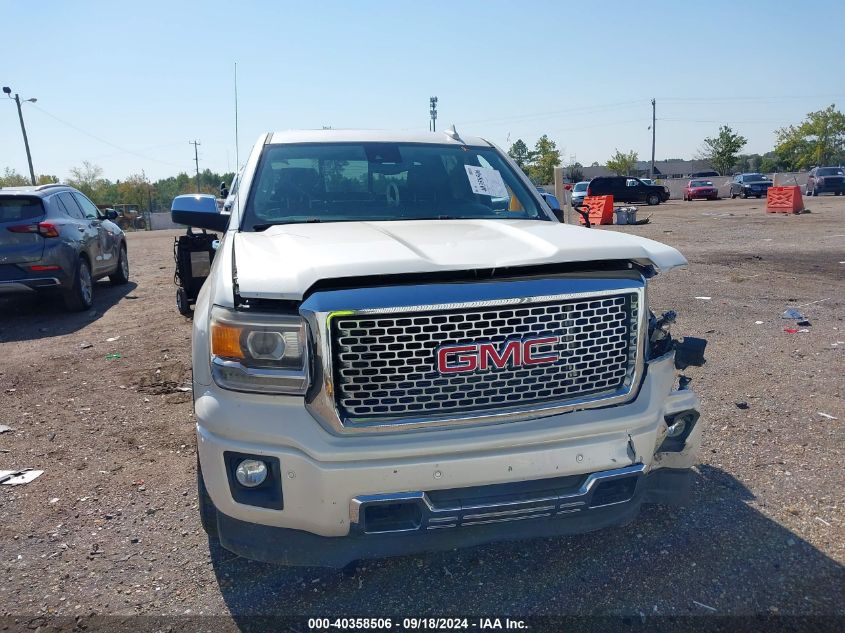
(182, 303)
(121, 275)
(713, 198)
(742, 194)
(758, 196)
(652, 199)
(208, 513)
(80, 296)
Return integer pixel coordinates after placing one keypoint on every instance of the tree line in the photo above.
(818, 140)
(135, 189)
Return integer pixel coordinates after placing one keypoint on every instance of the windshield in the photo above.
(754, 177)
(701, 183)
(830, 171)
(344, 182)
(580, 186)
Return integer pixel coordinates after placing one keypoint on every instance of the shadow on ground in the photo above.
(35, 316)
(716, 556)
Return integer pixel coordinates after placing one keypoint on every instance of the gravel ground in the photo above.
(112, 527)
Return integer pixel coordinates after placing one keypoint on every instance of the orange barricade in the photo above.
(601, 209)
(784, 200)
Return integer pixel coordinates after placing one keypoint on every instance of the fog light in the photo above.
(251, 473)
(677, 429)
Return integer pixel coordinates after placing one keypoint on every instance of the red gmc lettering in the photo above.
(530, 357)
(512, 353)
(458, 359)
(466, 361)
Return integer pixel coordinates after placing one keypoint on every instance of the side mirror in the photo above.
(224, 190)
(199, 211)
(554, 205)
(110, 214)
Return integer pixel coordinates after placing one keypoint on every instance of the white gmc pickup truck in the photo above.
(401, 348)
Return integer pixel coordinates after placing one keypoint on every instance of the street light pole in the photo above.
(17, 99)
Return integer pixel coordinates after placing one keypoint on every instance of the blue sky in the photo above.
(126, 86)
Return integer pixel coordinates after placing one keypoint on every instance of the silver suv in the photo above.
(53, 238)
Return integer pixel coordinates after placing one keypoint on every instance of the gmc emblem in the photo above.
(476, 357)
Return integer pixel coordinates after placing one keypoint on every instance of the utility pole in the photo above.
(653, 135)
(17, 99)
(196, 143)
(433, 110)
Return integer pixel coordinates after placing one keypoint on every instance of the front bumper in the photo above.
(287, 546)
(832, 188)
(321, 475)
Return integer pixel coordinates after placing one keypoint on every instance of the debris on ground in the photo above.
(112, 339)
(704, 606)
(804, 323)
(85, 345)
(5, 428)
(827, 415)
(113, 356)
(791, 330)
(742, 404)
(704, 298)
(793, 314)
(19, 477)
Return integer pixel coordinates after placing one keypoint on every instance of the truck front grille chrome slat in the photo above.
(385, 365)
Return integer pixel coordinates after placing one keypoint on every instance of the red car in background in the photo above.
(700, 189)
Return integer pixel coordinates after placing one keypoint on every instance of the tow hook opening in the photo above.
(614, 491)
(400, 516)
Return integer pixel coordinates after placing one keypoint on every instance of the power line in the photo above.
(552, 113)
(102, 140)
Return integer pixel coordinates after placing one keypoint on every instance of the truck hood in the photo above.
(284, 261)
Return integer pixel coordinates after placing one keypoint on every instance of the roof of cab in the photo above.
(373, 136)
(39, 191)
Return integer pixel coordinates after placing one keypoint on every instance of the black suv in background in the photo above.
(627, 189)
(826, 180)
(54, 238)
(747, 185)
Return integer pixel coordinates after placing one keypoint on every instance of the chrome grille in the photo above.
(385, 366)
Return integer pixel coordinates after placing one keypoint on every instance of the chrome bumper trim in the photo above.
(451, 516)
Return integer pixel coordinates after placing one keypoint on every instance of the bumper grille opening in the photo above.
(614, 491)
(392, 517)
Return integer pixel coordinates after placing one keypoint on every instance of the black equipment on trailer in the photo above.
(193, 253)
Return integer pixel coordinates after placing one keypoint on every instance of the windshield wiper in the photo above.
(264, 227)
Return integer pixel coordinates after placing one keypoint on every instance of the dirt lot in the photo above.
(112, 528)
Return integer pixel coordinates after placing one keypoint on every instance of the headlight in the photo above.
(261, 352)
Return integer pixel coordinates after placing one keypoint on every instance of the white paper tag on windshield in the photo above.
(487, 182)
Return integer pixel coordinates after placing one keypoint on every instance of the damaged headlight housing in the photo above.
(260, 352)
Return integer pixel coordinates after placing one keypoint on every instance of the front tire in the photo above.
(80, 296)
(182, 303)
(121, 275)
(743, 195)
(652, 199)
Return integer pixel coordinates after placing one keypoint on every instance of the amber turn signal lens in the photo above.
(226, 341)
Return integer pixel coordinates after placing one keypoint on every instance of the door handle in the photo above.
(81, 229)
